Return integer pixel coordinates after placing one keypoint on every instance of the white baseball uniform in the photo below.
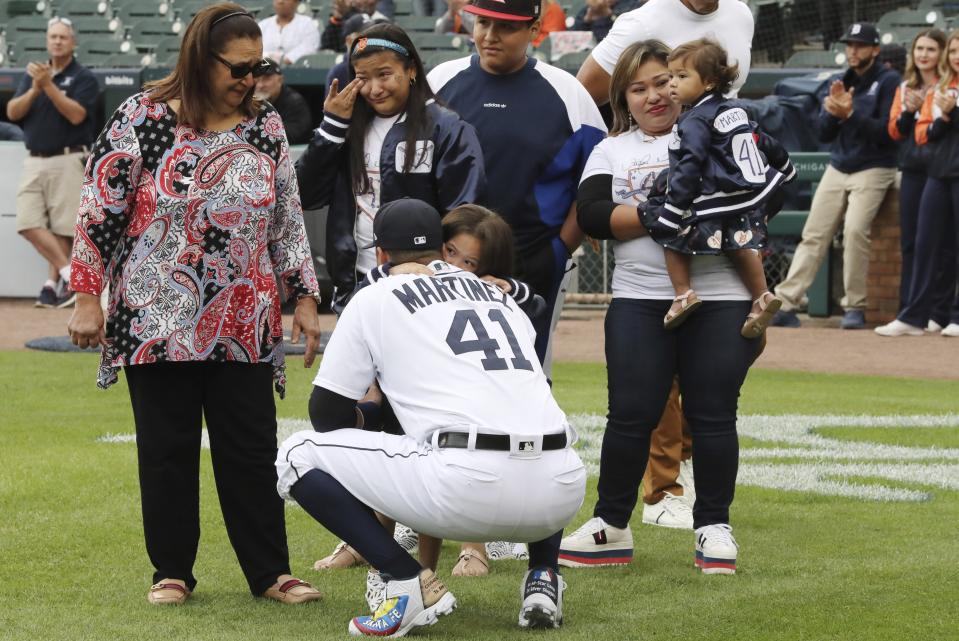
(453, 354)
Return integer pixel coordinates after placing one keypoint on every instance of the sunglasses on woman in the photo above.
(240, 71)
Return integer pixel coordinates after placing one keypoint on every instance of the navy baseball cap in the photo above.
(407, 224)
(861, 32)
(519, 10)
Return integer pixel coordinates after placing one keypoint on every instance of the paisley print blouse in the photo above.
(192, 230)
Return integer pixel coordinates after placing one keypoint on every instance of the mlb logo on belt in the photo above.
(526, 446)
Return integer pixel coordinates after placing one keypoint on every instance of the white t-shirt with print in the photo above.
(634, 160)
(731, 24)
(368, 203)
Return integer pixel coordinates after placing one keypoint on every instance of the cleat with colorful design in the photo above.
(409, 604)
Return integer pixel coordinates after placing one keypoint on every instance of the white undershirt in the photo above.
(368, 203)
(634, 160)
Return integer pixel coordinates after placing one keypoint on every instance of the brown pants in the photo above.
(669, 444)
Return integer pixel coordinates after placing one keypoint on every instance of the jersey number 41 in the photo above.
(483, 342)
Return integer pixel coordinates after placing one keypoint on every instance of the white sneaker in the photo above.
(672, 511)
(406, 537)
(716, 549)
(952, 329)
(405, 607)
(502, 550)
(688, 480)
(542, 594)
(899, 328)
(596, 544)
(375, 590)
(933, 326)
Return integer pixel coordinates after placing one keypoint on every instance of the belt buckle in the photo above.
(525, 446)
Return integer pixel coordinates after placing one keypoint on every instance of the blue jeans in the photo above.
(711, 359)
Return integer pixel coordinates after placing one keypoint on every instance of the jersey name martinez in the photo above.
(423, 292)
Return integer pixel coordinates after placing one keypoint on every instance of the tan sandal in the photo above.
(470, 564)
(757, 321)
(688, 302)
(293, 591)
(343, 556)
(168, 592)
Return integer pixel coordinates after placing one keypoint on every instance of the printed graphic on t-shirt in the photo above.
(640, 173)
(422, 157)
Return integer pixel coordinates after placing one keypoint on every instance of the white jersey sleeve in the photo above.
(347, 367)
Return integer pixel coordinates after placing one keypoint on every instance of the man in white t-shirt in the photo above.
(288, 35)
(729, 22)
(486, 452)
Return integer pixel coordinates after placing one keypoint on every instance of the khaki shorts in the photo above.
(49, 193)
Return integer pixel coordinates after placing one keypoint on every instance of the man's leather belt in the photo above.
(62, 151)
(498, 442)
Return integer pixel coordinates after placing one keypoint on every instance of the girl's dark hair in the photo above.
(492, 231)
(417, 119)
(912, 76)
(634, 57)
(710, 61)
(189, 82)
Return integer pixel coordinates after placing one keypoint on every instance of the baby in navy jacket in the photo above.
(719, 184)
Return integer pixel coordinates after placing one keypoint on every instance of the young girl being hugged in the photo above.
(383, 137)
(718, 186)
(937, 225)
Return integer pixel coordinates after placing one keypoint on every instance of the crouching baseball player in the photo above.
(486, 454)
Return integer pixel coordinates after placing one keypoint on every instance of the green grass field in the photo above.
(812, 566)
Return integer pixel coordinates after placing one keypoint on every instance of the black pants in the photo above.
(543, 269)
(937, 235)
(169, 402)
(944, 274)
(711, 359)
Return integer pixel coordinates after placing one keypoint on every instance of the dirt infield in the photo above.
(819, 346)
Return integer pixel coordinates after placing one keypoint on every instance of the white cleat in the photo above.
(542, 594)
(409, 604)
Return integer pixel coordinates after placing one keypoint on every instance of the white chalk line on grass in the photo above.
(826, 466)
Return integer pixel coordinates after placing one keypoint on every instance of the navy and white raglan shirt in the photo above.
(537, 127)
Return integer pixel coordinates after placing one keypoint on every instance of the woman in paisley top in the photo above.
(190, 214)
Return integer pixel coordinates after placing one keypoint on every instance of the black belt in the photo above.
(498, 442)
(62, 151)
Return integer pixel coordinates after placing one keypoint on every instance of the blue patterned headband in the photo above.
(363, 43)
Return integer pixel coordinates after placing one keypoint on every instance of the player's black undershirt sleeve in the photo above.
(331, 411)
(594, 207)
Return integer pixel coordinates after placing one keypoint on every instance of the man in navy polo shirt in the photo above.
(537, 126)
(54, 105)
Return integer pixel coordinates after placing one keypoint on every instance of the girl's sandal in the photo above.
(343, 557)
(687, 303)
(471, 564)
(764, 308)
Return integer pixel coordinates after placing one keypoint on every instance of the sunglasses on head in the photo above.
(240, 71)
(55, 19)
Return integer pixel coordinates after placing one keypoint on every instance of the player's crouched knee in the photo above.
(292, 461)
